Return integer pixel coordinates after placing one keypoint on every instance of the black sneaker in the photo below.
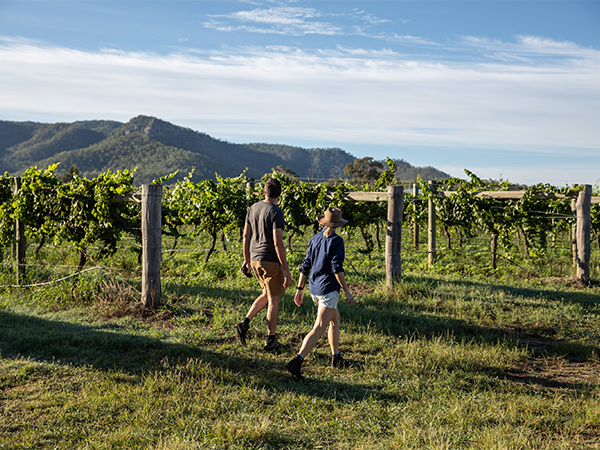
(274, 347)
(241, 330)
(338, 361)
(294, 367)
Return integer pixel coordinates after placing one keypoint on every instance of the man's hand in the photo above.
(287, 279)
(298, 298)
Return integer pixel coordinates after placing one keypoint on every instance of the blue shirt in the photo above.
(324, 258)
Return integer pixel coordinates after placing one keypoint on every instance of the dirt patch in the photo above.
(556, 374)
(572, 282)
(166, 317)
(160, 319)
(552, 373)
(360, 289)
(115, 299)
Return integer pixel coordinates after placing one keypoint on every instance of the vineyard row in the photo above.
(83, 212)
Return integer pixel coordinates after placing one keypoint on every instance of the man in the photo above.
(264, 252)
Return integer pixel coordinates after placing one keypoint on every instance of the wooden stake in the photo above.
(432, 219)
(151, 245)
(249, 191)
(574, 230)
(393, 239)
(416, 224)
(20, 241)
(583, 233)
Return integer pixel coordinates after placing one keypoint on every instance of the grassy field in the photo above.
(456, 357)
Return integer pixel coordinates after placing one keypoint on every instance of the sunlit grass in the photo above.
(486, 360)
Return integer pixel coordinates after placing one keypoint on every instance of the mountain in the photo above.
(407, 172)
(158, 148)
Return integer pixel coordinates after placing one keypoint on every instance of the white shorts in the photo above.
(329, 300)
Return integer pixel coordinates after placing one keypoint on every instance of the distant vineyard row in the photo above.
(82, 212)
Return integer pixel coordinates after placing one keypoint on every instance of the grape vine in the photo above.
(83, 212)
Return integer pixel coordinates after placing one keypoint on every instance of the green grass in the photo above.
(457, 357)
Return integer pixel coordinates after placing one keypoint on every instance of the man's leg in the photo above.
(272, 345)
(258, 305)
(271, 280)
(273, 313)
(241, 329)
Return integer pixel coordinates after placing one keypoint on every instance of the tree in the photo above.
(286, 171)
(364, 170)
(68, 175)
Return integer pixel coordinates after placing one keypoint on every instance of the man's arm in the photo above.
(280, 249)
(246, 244)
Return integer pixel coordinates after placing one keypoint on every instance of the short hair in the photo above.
(273, 188)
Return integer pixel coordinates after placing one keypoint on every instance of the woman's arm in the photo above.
(300, 292)
(342, 280)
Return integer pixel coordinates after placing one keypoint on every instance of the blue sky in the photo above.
(507, 89)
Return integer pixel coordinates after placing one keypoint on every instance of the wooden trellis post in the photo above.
(393, 239)
(432, 219)
(574, 230)
(249, 191)
(583, 205)
(20, 246)
(151, 245)
(415, 210)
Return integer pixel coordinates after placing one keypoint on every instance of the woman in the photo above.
(324, 261)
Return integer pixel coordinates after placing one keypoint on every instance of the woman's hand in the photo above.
(350, 298)
(298, 297)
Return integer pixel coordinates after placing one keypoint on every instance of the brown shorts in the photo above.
(270, 276)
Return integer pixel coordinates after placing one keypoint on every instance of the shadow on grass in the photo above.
(529, 298)
(391, 317)
(583, 296)
(105, 348)
(102, 347)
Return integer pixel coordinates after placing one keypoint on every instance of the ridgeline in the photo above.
(158, 148)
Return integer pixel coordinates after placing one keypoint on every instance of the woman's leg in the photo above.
(324, 317)
(334, 332)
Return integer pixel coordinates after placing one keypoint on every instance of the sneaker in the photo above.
(338, 361)
(294, 367)
(241, 330)
(274, 347)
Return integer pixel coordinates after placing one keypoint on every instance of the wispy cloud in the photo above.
(530, 48)
(293, 21)
(362, 15)
(337, 97)
(276, 20)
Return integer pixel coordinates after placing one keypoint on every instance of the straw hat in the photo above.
(332, 218)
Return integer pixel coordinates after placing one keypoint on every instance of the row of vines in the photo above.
(84, 212)
(533, 221)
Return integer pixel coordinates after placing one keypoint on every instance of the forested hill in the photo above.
(158, 148)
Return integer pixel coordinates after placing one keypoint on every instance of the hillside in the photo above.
(158, 148)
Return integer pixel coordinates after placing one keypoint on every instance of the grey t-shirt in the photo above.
(263, 218)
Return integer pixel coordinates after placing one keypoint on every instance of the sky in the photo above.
(506, 89)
